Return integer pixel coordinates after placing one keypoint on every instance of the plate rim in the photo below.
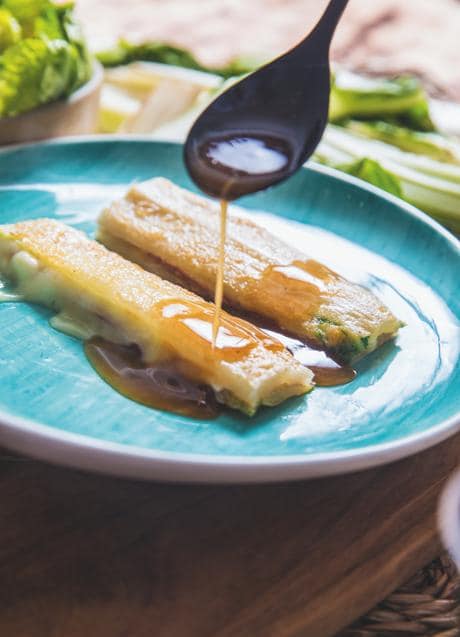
(130, 461)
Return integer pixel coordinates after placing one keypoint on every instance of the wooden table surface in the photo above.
(92, 555)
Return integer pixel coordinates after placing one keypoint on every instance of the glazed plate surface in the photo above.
(405, 398)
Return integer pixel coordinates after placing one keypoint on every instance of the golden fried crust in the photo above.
(170, 230)
(80, 277)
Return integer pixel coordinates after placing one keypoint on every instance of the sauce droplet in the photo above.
(160, 386)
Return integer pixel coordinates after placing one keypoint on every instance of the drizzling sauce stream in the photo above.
(244, 160)
(247, 161)
(219, 291)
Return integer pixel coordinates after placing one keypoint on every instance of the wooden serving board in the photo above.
(97, 556)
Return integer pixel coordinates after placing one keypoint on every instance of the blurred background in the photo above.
(394, 117)
(383, 36)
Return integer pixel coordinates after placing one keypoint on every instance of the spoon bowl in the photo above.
(263, 128)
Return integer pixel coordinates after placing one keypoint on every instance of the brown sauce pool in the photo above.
(326, 371)
(163, 387)
(160, 386)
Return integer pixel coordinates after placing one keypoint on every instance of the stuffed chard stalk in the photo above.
(43, 56)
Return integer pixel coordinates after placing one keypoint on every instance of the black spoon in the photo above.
(262, 129)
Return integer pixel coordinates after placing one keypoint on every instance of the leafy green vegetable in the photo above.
(356, 146)
(371, 171)
(33, 72)
(124, 53)
(51, 62)
(10, 29)
(400, 100)
(364, 168)
(431, 185)
(74, 35)
(48, 24)
(25, 10)
(428, 144)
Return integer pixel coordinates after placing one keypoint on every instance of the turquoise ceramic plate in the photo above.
(405, 398)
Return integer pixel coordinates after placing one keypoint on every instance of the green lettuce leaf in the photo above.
(26, 12)
(10, 29)
(50, 63)
(74, 35)
(371, 171)
(48, 24)
(124, 53)
(33, 72)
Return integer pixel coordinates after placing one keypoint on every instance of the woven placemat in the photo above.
(428, 604)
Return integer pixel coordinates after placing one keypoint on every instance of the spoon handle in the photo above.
(324, 29)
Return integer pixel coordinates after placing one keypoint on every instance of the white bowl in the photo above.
(449, 517)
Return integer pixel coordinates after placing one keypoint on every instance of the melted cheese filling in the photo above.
(37, 284)
(260, 379)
